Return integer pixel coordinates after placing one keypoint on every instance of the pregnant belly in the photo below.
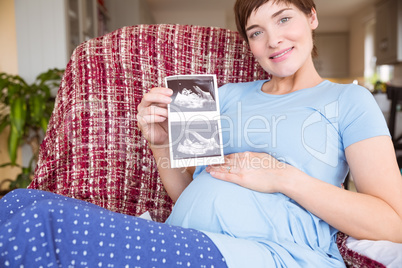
(216, 206)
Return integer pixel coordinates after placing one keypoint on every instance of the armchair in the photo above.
(93, 149)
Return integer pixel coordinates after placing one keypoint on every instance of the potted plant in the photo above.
(26, 109)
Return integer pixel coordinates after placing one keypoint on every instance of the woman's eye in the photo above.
(255, 34)
(283, 20)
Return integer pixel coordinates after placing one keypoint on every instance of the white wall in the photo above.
(216, 18)
(127, 12)
(195, 13)
(41, 36)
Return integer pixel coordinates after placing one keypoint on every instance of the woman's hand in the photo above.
(152, 120)
(257, 171)
(152, 115)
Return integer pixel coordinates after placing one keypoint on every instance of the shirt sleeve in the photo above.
(360, 116)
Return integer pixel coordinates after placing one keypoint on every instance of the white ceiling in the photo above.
(325, 8)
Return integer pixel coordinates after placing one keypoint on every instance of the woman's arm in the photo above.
(175, 180)
(374, 213)
(152, 121)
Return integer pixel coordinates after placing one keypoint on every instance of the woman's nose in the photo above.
(274, 43)
(274, 40)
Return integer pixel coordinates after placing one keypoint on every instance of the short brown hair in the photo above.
(244, 8)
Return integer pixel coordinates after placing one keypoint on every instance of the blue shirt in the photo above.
(309, 129)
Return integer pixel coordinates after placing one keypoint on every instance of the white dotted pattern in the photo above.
(41, 229)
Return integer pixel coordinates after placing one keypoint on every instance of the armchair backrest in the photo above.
(93, 149)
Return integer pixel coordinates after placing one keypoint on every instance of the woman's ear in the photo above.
(313, 19)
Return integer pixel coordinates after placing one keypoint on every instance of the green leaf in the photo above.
(52, 74)
(43, 123)
(3, 84)
(26, 170)
(9, 164)
(13, 91)
(49, 109)
(45, 89)
(23, 180)
(13, 142)
(19, 80)
(37, 108)
(18, 114)
(6, 165)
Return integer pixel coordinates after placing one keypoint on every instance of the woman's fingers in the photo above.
(154, 114)
(225, 168)
(256, 171)
(151, 98)
(157, 96)
(153, 105)
(226, 175)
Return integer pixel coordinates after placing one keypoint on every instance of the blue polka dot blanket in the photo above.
(42, 229)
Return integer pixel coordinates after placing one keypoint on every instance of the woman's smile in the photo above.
(281, 55)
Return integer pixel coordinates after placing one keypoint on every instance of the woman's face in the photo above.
(280, 37)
